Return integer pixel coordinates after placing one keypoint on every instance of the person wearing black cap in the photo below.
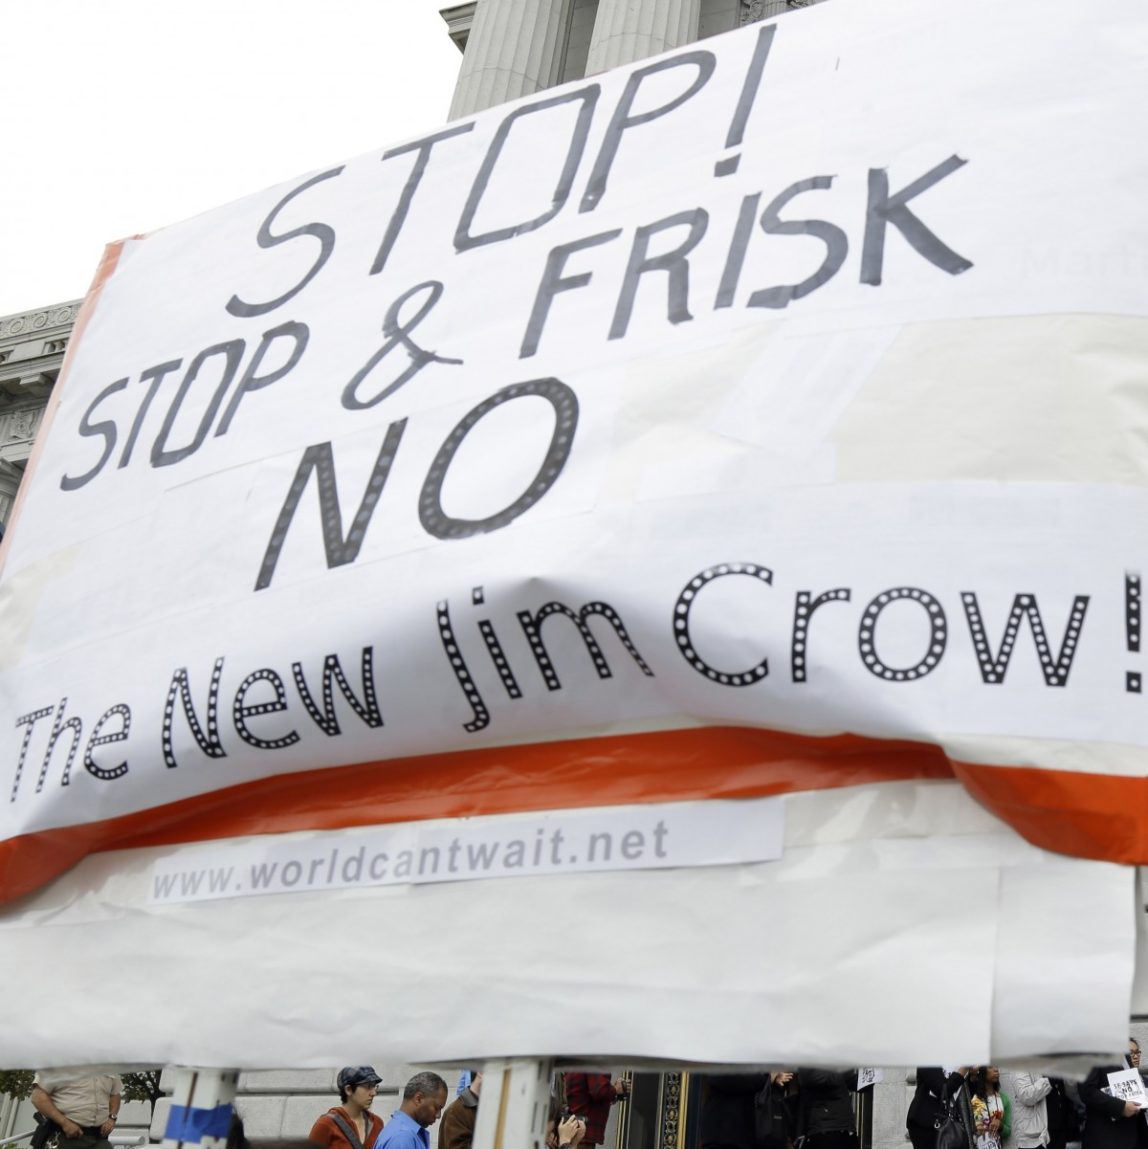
(351, 1125)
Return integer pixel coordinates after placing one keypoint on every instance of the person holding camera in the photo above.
(590, 1095)
(84, 1107)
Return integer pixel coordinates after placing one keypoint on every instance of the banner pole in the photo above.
(514, 1105)
(203, 1105)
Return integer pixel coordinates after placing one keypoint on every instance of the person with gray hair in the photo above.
(424, 1098)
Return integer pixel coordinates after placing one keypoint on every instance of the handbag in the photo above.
(952, 1130)
(770, 1118)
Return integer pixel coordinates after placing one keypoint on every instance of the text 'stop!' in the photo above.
(766, 416)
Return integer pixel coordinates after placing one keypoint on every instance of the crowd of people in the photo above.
(802, 1108)
(1107, 1110)
(814, 1109)
(579, 1109)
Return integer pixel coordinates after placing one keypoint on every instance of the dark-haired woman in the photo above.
(351, 1125)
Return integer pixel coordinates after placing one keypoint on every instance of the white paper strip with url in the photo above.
(663, 836)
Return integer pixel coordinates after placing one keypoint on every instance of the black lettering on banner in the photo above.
(398, 217)
(398, 335)
(532, 628)
(241, 711)
(804, 607)
(323, 232)
(884, 208)
(207, 740)
(438, 523)
(320, 459)
(674, 263)
(553, 282)
(835, 240)
(326, 719)
(156, 375)
(749, 87)
(107, 429)
(466, 683)
(29, 720)
(494, 648)
(59, 724)
(1133, 679)
(735, 257)
(621, 121)
(463, 240)
(938, 634)
(98, 738)
(994, 667)
(685, 604)
(298, 333)
(233, 350)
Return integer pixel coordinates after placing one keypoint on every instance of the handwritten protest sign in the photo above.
(762, 417)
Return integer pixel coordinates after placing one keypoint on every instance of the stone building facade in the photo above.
(512, 48)
(31, 352)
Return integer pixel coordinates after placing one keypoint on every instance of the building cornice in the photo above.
(459, 19)
(42, 319)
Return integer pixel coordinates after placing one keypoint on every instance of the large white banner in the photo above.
(766, 417)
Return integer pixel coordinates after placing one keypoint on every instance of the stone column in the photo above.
(629, 30)
(514, 48)
(10, 477)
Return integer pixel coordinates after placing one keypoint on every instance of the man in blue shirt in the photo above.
(423, 1100)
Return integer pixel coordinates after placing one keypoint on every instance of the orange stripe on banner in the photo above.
(1102, 816)
(1088, 815)
(712, 762)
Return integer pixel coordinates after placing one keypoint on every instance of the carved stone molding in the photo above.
(30, 322)
(754, 10)
(19, 425)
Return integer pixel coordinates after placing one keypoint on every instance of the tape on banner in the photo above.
(185, 1123)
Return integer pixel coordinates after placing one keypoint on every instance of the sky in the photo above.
(123, 116)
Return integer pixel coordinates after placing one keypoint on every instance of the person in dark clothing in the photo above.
(927, 1106)
(1062, 1123)
(727, 1119)
(826, 1099)
(775, 1112)
(1109, 1122)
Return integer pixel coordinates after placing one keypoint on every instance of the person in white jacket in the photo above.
(1030, 1111)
